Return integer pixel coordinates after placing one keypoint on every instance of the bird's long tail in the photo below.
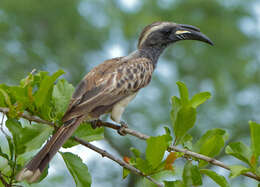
(33, 170)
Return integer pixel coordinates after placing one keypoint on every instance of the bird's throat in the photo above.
(152, 52)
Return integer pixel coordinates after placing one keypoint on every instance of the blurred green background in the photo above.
(77, 35)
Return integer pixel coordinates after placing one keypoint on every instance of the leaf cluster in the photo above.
(211, 143)
(47, 97)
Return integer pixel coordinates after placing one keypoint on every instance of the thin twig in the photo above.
(119, 161)
(29, 117)
(144, 137)
(213, 161)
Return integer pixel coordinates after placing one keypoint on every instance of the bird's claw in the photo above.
(122, 128)
(96, 123)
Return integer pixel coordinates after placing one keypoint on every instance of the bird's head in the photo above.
(162, 34)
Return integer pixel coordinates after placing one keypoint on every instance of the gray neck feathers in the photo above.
(152, 53)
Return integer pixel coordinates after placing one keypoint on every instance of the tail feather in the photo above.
(33, 170)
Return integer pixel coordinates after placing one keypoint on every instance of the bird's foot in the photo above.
(122, 128)
(96, 123)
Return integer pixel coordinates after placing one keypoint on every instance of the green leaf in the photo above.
(220, 180)
(199, 98)
(87, 133)
(61, 96)
(33, 136)
(168, 137)
(176, 105)
(255, 138)
(27, 80)
(77, 169)
(187, 141)
(45, 85)
(11, 146)
(240, 151)
(2, 98)
(186, 175)
(2, 154)
(191, 175)
(196, 176)
(156, 147)
(210, 144)
(28, 138)
(20, 95)
(237, 170)
(167, 130)
(6, 97)
(258, 171)
(125, 173)
(185, 120)
(44, 174)
(143, 165)
(15, 128)
(183, 90)
(177, 183)
(135, 151)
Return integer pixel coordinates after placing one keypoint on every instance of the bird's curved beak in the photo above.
(189, 32)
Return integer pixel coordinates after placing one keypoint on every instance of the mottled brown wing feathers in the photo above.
(107, 84)
(88, 87)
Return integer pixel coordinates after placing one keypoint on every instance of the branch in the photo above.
(28, 117)
(86, 144)
(143, 137)
(213, 161)
(174, 148)
(119, 161)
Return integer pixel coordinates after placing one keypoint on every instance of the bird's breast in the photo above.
(134, 76)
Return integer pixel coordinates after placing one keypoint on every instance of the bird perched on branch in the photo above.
(109, 87)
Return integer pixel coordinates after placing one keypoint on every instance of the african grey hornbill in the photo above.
(109, 87)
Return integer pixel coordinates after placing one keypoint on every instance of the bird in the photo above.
(110, 86)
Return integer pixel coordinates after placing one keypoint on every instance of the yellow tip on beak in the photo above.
(182, 32)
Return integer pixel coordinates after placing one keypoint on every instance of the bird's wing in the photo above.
(108, 83)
